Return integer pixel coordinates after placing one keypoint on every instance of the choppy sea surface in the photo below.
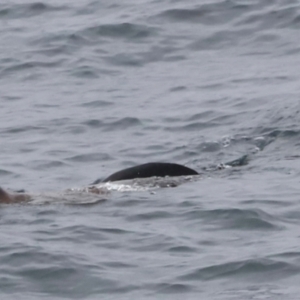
(91, 87)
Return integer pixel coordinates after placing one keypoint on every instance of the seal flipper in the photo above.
(150, 170)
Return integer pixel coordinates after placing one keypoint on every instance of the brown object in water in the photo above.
(6, 197)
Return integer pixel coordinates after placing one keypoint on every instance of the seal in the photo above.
(157, 169)
(154, 169)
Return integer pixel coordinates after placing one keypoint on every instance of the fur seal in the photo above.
(147, 170)
(157, 169)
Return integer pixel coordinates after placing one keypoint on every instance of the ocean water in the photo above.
(91, 87)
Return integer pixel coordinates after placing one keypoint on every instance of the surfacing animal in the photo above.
(148, 170)
(156, 169)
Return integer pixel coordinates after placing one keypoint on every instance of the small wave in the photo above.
(5, 172)
(124, 31)
(112, 230)
(23, 67)
(96, 103)
(240, 219)
(182, 249)
(46, 164)
(209, 14)
(121, 124)
(263, 269)
(90, 157)
(86, 71)
(21, 129)
(277, 133)
(274, 17)
(27, 10)
(191, 126)
(152, 215)
(172, 288)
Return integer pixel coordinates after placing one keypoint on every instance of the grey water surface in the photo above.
(90, 87)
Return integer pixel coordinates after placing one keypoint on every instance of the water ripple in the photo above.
(261, 268)
(233, 218)
(27, 10)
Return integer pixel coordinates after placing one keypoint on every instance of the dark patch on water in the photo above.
(208, 14)
(237, 219)
(96, 103)
(262, 269)
(89, 157)
(128, 31)
(122, 124)
(27, 10)
(173, 288)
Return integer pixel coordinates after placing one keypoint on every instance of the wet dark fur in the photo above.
(140, 171)
(150, 170)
